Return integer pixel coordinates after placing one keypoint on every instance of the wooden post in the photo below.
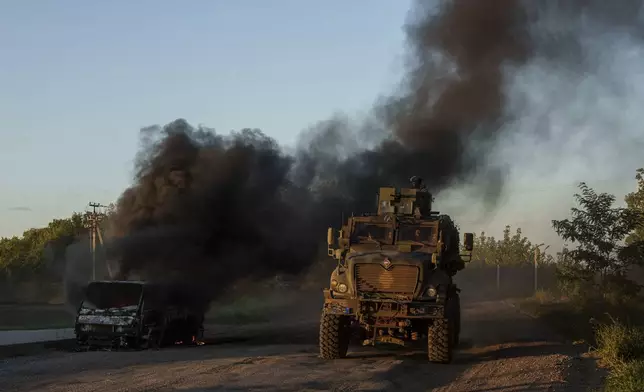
(537, 254)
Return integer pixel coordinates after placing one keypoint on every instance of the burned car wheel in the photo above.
(334, 336)
(152, 338)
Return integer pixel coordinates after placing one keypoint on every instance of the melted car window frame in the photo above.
(97, 292)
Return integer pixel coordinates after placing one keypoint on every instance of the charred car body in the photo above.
(132, 314)
(393, 282)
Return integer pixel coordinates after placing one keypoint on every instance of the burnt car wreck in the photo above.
(136, 315)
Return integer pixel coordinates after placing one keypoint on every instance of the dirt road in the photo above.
(502, 350)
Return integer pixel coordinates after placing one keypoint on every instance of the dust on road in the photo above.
(502, 350)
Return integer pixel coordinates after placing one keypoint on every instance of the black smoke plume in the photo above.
(446, 115)
(206, 210)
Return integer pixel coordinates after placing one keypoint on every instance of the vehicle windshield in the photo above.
(104, 295)
(417, 233)
(366, 232)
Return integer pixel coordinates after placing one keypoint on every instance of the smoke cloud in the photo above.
(206, 209)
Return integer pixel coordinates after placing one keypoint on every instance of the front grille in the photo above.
(103, 328)
(374, 278)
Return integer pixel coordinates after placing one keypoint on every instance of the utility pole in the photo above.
(498, 277)
(93, 220)
(537, 256)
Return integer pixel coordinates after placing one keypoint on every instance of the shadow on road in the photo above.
(285, 358)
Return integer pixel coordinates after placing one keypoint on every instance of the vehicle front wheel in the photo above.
(457, 319)
(440, 341)
(334, 336)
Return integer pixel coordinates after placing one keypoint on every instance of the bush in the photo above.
(626, 378)
(621, 347)
(544, 296)
(618, 290)
(618, 343)
(581, 290)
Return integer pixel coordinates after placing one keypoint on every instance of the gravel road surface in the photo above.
(501, 350)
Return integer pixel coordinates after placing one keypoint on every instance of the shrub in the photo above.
(627, 378)
(618, 343)
(621, 347)
(544, 296)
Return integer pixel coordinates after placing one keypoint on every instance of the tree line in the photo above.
(605, 242)
(27, 256)
(514, 249)
(24, 256)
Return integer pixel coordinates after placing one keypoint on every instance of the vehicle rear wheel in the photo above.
(334, 336)
(440, 340)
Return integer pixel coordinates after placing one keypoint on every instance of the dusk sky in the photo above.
(78, 79)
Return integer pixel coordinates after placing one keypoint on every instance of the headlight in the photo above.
(119, 328)
(86, 327)
(431, 291)
(334, 283)
(342, 288)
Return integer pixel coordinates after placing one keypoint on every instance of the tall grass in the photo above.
(621, 348)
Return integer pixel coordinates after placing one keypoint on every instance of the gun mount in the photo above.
(405, 201)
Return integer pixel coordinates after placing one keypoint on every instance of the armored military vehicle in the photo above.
(393, 282)
(133, 314)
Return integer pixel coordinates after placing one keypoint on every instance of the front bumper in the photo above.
(104, 334)
(382, 307)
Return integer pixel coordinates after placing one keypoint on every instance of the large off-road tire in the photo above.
(440, 340)
(334, 336)
(457, 318)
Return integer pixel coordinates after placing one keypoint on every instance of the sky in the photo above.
(79, 79)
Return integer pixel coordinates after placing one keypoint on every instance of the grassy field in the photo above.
(238, 308)
(615, 332)
(13, 317)
(264, 307)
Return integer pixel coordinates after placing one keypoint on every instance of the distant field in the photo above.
(240, 308)
(34, 317)
(261, 307)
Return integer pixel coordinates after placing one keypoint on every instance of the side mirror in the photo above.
(329, 236)
(468, 241)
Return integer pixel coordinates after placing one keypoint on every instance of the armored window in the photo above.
(366, 232)
(417, 233)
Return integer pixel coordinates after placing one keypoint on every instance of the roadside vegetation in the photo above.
(594, 295)
(598, 297)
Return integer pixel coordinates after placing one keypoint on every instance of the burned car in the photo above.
(133, 314)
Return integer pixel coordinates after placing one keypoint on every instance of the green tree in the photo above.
(485, 249)
(21, 257)
(635, 201)
(514, 249)
(599, 230)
